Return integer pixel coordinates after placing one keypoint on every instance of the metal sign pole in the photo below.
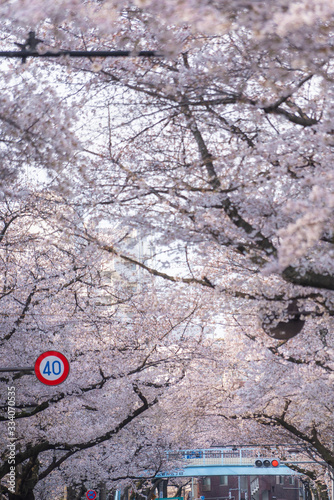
(15, 369)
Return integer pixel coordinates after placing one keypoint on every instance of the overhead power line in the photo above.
(80, 53)
(28, 49)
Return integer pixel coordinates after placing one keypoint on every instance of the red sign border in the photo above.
(93, 492)
(58, 380)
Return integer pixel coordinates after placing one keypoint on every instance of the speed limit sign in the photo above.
(52, 368)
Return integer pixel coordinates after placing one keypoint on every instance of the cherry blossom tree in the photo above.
(124, 356)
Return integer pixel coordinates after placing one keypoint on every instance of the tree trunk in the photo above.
(28, 495)
(103, 492)
(322, 491)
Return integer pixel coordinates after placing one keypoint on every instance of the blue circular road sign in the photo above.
(91, 494)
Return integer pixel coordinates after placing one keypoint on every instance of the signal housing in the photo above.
(267, 462)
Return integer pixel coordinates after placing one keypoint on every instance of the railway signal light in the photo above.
(267, 462)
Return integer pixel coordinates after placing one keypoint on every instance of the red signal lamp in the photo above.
(267, 462)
